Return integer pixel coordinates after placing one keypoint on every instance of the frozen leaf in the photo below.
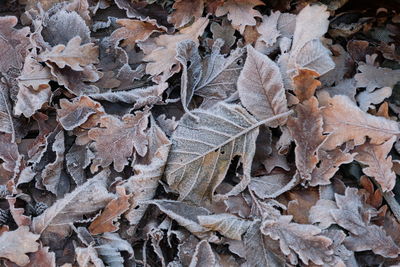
(203, 149)
(116, 140)
(73, 54)
(344, 87)
(184, 11)
(226, 224)
(86, 200)
(105, 221)
(63, 26)
(15, 244)
(77, 159)
(260, 87)
(224, 32)
(18, 213)
(139, 96)
(354, 215)
(240, 12)
(329, 164)
(219, 73)
(88, 257)
(76, 113)
(144, 183)
(367, 100)
(372, 77)
(273, 185)
(342, 127)
(184, 214)
(14, 44)
(203, 255)
(320, 213)
(9, 152)
(303, 239)
(42, 257)
(133, 31)
(379, 163)
(109, 247)
(269, 29)
(51, 174)
(306, 130)
(162, 59)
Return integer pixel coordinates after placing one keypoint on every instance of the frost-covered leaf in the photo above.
(109, 247)
(86, 200)
(344, 121)
(9, 152)
(260, 87)
(320, 213)
(305, 84)
(144, 183)
(184, 214)
(162, 59)
(51, 174)
(303, 239)
(105, 221)
(226, 224)
(268, 29)
(372, 77)
(77, 159)
(203, 255)
(184, 11)
(306, 130)
(273, 185)
(88, 257)
(379, 163)
(117, 140)
(14, 43)
(354, 215)
(73, 54)
(240, 12)
(15, 244)
(367, 100)
(140, 96)
(202, 150)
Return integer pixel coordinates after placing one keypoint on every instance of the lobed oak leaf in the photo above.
(224, 32)
(73, 54)
(14, 44)
(268, 29)
(367, 100)
(116, 139)
(354, 215)
(240, 12)
(320, 213)
(184, 11)
(372, 77)
(306, 131)
(226, 224)
(15, 244)
(162, 59)
(305, 84)
(342, 128)
(133, 31)
(114, 209)
(303, 239)
(379, 163)
(42, 257)
(260, 87)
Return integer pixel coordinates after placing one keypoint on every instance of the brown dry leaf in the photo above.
(203, 255)
(260, 87)
(132, 31)
(14, 44)
(77, 159)
(226, 224)
(162, 59)
(305, 84)
(240, 12)
(117, 140)
(9, 153)
(273, 185)
(184, 11)
(105, 221)
(41, 258)
(330, 162)
(15, 244)
(307, 130)
(73, 54)
(342, 127)
(354, 215)
(18, 213)
(79, 112)
(379, 163)
(85, 200)
(303, 239)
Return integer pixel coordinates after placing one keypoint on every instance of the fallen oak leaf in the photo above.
(15, 244)
(184, 11)
(305, 84)
(114, 209)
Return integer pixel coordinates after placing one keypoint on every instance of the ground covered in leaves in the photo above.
(199, 133)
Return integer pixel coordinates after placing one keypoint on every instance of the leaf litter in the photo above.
(199, 133)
